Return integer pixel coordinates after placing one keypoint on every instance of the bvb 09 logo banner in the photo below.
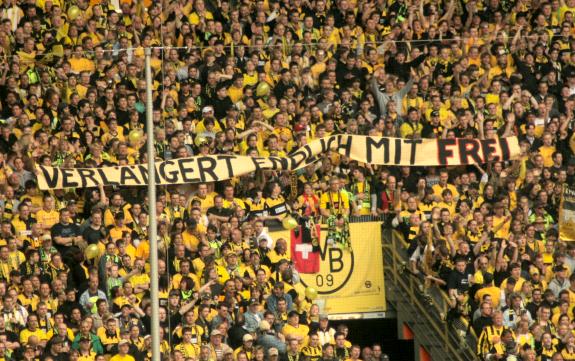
(347, 281)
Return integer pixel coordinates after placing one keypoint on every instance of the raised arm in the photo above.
(245, 133)
(509, 125)
(514, 41)
(403, 91)
(421, 16)
(479, 119)
(379, 96)
(449, 13)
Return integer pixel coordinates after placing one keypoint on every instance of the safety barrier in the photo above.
(427, 309)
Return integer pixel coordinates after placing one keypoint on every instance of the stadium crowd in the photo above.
(262, 78)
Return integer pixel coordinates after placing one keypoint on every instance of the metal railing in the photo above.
(452, 341)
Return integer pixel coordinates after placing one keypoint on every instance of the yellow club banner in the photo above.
(567, 214)
(213, 168)
(348, 281)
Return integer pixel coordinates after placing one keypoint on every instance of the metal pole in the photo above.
(152, 230)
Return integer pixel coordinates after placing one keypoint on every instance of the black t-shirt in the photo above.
(64, 230)
(10, 336)
(532, 307)
(458, 281)
(221, 212)
(93, 236)
(500, 276)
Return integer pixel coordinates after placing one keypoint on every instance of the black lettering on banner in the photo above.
(303, 152)
(229, 166)
(336, 269)
(172, 176)
(51, 179)
(371, 143)
(329, 280)
(105, 179)
(206, 169)
(444, 153)
(469, 148)
(331, 142)
(296, 158)
(345, 146)
(319, 280)
(259, 162)
(127, 175)
(68, 179)
(323, 145)
(279, 163)
(397, 150)
(309, 154)
(504, 145)
(144, 173)
(489, 149)
(87, 174)
(378, 150)
(187, 170)
(157, 174)
(414, 143)
(335, 260)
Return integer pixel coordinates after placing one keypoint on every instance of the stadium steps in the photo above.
(423, 312)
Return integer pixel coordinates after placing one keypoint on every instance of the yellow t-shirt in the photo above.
(300, 331)
(250, 80)
(109, 216)
(143, 250)
(451, 206)
(178, 278)
(438, 189)
(108, 340)
(205, 203)
(189, 350)
(563, 10)
(547, 154)
(235, 94)
(195, 18)
(47, 219)
(19, 227)
(122, 358)
(238, 203)
(494, 292)
(505, 225)
(82, 64)
(32, 302)
(26, 333)
(116, 232)
(139, 280)
(338, 201)
(517, 287)
(190, 241)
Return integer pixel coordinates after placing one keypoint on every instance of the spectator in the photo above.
(89, 298)
(252, 316)
(269, 339)
(485, 318)
(277, 295)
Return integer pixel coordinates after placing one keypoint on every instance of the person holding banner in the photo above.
(334, 201)
(275, 207)
(363, 197)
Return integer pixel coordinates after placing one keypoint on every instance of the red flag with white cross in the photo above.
(304, 258)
